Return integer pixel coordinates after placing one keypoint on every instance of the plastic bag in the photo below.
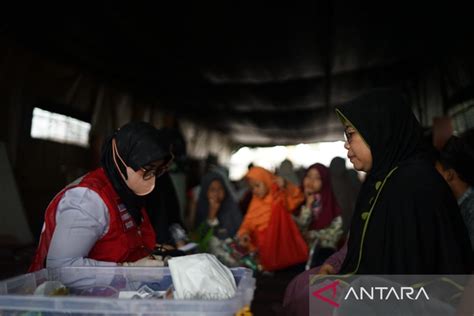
(201, 276)
(281, 244)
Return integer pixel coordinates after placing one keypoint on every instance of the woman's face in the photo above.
(216, 191)
(357, 150)
(312, 182)
(259, 189)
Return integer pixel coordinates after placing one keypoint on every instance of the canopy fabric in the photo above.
(259, 74)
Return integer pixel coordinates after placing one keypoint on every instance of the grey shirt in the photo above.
(82, 218)
(466, 205)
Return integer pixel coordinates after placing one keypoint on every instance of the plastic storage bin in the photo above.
(94, 290)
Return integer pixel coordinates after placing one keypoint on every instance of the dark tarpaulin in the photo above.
(263, 74)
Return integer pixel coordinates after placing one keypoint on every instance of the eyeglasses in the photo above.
(157, 171)
(349, 134)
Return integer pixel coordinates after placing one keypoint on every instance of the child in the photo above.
(265, 218)
(320, 216)
(218, 213)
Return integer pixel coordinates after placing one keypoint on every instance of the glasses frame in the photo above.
(158, 171)
(349, 135)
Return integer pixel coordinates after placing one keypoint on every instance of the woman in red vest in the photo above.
(100, 219)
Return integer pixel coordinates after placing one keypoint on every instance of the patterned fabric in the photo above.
(327, 237)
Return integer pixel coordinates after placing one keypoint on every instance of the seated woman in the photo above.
(217, 212)
(406, 220)
(320, 218)
(402, 194)
(100, 219)
(270, 195)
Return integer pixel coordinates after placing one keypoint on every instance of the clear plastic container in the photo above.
(95, 290)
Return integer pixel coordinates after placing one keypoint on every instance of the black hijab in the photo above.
(139, 144)
(387, 124)
(406, 220)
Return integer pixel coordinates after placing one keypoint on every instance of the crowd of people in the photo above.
(413, 213)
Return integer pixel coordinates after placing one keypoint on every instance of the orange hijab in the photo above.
(260, 209)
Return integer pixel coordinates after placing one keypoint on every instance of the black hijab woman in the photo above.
(405, 220)
(100, 219)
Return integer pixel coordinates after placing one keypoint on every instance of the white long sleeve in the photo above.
(82, 218)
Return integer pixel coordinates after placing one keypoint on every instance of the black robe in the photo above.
(414, 228)
(413, 222)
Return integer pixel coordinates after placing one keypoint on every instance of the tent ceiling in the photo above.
(264, 74)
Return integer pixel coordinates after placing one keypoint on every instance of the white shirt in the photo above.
(82, 219)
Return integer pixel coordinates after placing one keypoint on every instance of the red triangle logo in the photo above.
(332, 286)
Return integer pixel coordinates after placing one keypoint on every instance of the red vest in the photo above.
(124, 241)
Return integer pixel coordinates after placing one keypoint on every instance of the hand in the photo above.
(326, 269)
(280, 182)
(148, 261)
(244, 240)
(164, 246)
(309, 200)
(214, 206)
(310, 236)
